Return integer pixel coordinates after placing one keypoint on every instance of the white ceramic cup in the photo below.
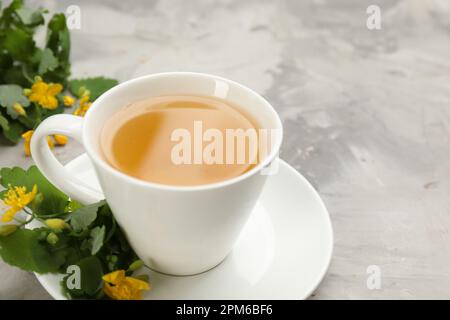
(178, 230)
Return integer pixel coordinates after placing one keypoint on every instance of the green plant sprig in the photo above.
(86, 236)
(22, 60)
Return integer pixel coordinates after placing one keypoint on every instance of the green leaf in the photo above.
(30, 17)
(23, 249)
(21, 60)
(58, 38)
(11, 94)
(14, 132)
(58, 41)
(83, 217)
(19, 44)
(54, 201)
(4, 123)
(97, 86)
(97, 236)
(47, 61)
(8, 13)
(5, 61)
(91, 273)
(15, 75)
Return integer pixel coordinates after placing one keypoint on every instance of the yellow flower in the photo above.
(17, 199)
(119, 287)
(60, 139)
(83, 106)
(68, 101)
(50, 143)
(19, 109)
(44, 94)
(27, 137)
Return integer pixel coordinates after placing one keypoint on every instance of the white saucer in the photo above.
(282, 253)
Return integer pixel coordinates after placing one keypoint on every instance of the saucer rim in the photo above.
(329, 227)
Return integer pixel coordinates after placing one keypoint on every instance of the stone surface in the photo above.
(366, 115)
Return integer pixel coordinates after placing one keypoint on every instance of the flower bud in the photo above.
(37, 201)
(83, 91)
(56, 224)
(27, 92)
(19, 109)
(112, 258)
(52, 238)
(7, 229)
(68, 101)
(136, 265)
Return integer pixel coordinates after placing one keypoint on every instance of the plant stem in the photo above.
(26, 222)
(27, 212)
(49, 216)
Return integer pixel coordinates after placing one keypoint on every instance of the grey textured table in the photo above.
(366, 115)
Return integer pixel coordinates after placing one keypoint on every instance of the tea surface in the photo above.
(139, 140)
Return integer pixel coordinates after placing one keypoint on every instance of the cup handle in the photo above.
(51, 168)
